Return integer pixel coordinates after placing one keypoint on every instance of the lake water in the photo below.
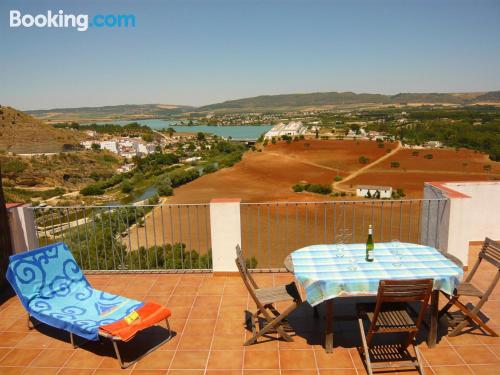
(234, 131)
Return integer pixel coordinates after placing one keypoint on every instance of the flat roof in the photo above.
(376, 187)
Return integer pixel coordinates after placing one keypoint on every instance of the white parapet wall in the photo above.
(473, 213)
(22, 227)
(225, 229)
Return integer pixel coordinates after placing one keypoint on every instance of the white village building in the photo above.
(292, 129)
(373, 191)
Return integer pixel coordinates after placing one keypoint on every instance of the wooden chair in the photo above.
(391, 313)
(490, 252)
(264, 299)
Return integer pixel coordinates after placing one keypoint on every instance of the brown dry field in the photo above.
(271, 231)
(269, 175)
(446, 165)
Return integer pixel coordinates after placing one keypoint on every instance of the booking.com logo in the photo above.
(78, 21)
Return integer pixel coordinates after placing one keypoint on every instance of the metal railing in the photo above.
(271, 231)
(130, 238)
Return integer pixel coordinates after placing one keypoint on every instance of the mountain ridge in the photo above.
(263, 103)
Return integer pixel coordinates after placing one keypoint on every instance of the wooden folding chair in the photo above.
(490, 252)
(391, 313)
(264, 299)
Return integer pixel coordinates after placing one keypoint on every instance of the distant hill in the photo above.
(339, 99)
(22, 133)
(262, 103)
(115, 112)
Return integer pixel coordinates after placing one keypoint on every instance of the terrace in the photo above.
(208, 299)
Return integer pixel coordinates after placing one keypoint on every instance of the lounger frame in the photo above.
(115, 340)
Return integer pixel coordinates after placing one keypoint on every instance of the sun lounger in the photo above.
(54, 291)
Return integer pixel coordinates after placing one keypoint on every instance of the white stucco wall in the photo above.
(473, 213)
(225, 229)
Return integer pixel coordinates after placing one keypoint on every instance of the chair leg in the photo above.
(279, 328)
(270, 325)
(445, 309)
(472, 314)
(366, 351)
(419, 360)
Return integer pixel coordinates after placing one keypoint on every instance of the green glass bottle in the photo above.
(369, 245)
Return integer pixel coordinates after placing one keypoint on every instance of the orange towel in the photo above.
(146, 316)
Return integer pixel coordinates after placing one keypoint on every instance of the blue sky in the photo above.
(201, 52)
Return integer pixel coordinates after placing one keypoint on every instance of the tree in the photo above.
(126, 186)
(200, 136)
(317, 133)
(95, 146)
(170, 131)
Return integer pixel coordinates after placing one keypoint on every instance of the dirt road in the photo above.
(335, 185)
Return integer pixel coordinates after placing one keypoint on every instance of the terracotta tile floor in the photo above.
(207, 317)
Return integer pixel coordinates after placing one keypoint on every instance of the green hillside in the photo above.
(348, 98)
(125, 112)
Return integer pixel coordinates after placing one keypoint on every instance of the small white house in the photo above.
(373, 191)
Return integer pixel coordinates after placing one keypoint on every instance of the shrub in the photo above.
(319, 189)
(210, 168)
(92, 190)
(312, 188)
(487, 167)
(415, 153)
(273, 140)
(126, 187)
(428, 156)
(363, 159)
(298, 188)
(13, 167)
(166, 191)
(395, 164)
(338, 178)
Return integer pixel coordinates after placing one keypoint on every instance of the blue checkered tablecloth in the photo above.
(329, 271)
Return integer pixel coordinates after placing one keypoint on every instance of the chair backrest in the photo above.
(45, 272)
(391, 291)
(245, 275)
(490, 252)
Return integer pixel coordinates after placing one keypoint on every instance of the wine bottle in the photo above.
(369, 245)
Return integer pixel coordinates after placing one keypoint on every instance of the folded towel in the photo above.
(145, 316)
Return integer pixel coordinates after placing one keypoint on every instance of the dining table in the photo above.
(330, 271)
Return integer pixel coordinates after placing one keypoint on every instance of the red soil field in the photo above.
(269, 175)
(446, 165)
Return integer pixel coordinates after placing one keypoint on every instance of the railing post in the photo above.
(23, 228)
(225, 229)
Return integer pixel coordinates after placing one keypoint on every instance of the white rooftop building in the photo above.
(373, 191)
(292, 129)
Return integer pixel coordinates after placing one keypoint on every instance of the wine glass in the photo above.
(395, 250)
(353, 263)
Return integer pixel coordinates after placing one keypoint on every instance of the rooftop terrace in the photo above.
(208, 319)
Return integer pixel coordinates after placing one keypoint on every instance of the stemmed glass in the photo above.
(396, 252)
(340, 239)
